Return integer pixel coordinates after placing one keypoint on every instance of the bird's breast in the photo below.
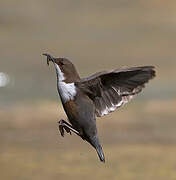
(67, 91)
(71, 109)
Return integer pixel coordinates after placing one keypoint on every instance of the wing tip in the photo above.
(152, 71)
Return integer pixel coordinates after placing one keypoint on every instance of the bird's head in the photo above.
(65, 69)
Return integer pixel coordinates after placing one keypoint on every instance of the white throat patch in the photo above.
(67, 91)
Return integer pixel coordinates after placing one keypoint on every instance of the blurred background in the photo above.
(139, 140)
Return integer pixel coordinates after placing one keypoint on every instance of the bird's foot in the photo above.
(63, 128)
(63, 125)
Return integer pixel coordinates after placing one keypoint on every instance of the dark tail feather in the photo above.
(100, 153)
(96, 144)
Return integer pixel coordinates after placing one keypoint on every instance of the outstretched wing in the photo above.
(112, 89)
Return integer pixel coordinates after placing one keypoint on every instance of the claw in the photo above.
(61, 129)
(64, 126)
(67, 129)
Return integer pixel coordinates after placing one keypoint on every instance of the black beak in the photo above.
(49, 58)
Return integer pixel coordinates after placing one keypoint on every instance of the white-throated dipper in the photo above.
(97, 95)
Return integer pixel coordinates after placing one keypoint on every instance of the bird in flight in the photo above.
(97, 95)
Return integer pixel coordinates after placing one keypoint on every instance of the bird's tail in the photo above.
(96, 144)
(100, 153)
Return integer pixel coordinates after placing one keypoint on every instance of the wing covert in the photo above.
(112, 89)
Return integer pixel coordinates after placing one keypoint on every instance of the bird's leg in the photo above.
(63, 125)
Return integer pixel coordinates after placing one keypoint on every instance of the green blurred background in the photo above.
(139, 140)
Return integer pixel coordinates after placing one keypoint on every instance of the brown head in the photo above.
(65, 70)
